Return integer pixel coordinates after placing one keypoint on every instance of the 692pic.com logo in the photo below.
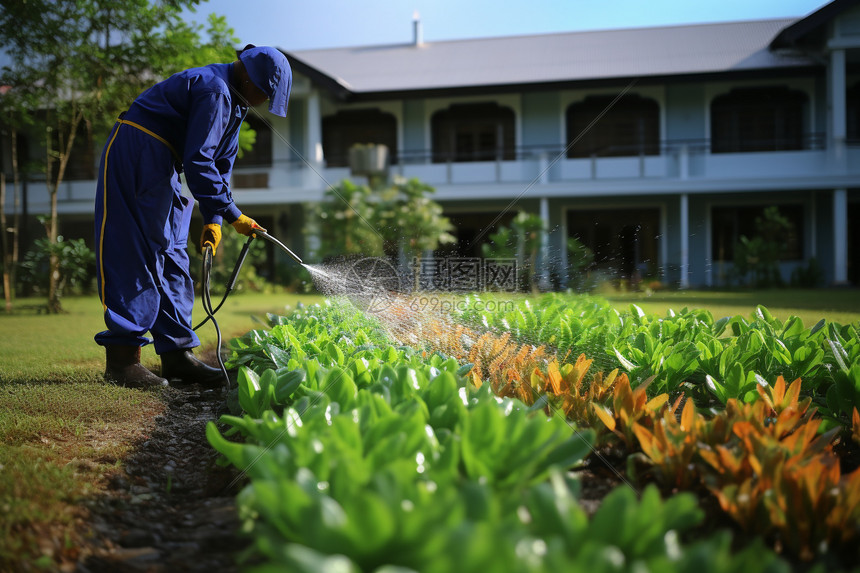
(371, 283)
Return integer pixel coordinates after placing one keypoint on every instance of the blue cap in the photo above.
(270, 71)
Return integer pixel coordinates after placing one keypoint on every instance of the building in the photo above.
(656, 147)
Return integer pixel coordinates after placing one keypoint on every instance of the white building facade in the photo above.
(657, 148)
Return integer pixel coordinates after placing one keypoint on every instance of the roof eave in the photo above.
(323, 80)
(794, 35)
(793, 71)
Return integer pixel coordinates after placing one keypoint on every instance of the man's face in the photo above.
(254, 95)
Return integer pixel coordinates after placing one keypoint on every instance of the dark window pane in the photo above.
(728, 224)
(853, 114)
(758, 119)
(630, 126)
(350, 127)
(473, 132)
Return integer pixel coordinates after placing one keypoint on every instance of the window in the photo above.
(468, 227)
(473, 132)
(630, 126)
(729, 223)
(758, 119)
(261, 154)
(350, 127)
(622, 240)
(852, 104)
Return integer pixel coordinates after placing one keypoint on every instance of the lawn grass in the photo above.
(835, 305)
(60, 348)
(59, 444)
(62, 429)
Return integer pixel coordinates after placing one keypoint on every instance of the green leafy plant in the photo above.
(75, 264)
(364, 456)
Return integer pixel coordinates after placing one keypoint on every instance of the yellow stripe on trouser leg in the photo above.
(104, 217)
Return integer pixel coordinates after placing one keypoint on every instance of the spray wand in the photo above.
(231, 283)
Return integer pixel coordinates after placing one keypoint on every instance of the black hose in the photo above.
(208, 255)
(210, 312)
(230, 283)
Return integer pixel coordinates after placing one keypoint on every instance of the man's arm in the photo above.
(207, 122)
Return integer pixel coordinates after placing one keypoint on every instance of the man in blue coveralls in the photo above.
(188, 122)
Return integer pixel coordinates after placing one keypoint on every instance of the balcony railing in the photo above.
(688, 161)
(673, 159)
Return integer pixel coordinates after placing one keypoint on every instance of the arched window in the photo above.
(360, 126)
(630, 126)
(473, 132)
(758, 119)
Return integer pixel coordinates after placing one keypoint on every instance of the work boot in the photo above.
(123, 368)
(182, 367)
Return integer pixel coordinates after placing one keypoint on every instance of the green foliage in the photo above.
(809, 276)
(691, 352)
(843, 345)
(406, 216)
(579, 260)
(346, 217)
(363, 456)
(759, 256)
(357, 220)
(76, 265)
(88, 58)
(520, 241)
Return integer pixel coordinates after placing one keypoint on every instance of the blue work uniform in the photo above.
(188, 122)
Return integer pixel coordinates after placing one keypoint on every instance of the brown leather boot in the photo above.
(182, 367)
(123, 368)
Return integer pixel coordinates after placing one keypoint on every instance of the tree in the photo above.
(357, 220)
(77, 63)
(409, 219)
(346, 219)
(760, 255)
(579, 259)
(520, 241)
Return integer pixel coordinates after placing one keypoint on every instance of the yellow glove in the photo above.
(246, 225)
(211, 236)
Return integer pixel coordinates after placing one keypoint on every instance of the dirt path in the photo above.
(169, 508)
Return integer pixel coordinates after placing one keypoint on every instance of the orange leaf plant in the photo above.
(767, 466)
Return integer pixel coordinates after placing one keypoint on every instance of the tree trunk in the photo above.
(7, 292)
(54, 290)
(16, 206)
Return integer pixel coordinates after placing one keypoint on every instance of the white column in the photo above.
(543, 168)
(544, 245)
(840, 237)
(685, 241)
(664, 244)
(813, 224)
(314, 130)
(836, 100)
(684, 162)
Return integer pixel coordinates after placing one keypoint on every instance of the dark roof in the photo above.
(547, 59)
(811, 30)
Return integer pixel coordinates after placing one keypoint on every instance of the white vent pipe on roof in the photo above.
(417, 34)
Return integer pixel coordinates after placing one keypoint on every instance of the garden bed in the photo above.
(354, 441)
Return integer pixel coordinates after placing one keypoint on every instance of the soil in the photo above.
(170, 507)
